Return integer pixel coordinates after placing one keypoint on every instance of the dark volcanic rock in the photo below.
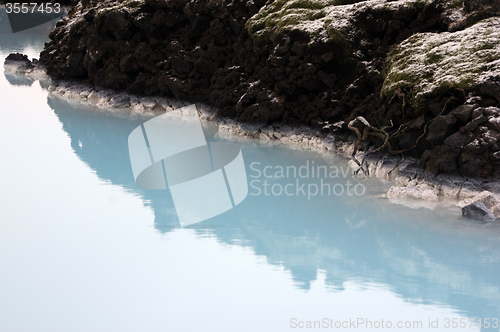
(21, 62)
(491, 89)
(17, 57)
(180, 66)
(471, 126)
(443, 159)
(173, 84)
(213, 52)
(478, 211)
(474, 159)
(459, 139)
(463, 113)
(441, 127)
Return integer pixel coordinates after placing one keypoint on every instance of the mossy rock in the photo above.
(305, 16)
(318, 19)
(109, 6)
(430, 64)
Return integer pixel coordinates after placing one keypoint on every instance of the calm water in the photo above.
(82, 248)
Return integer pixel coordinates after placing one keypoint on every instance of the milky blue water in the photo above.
(83, 248)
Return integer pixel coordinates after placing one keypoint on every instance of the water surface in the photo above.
(83, 248)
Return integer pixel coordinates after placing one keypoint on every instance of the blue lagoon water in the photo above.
(83, 248)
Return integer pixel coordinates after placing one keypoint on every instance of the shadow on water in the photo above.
(424, 256)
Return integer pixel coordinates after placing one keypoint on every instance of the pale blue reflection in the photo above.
(426, 257)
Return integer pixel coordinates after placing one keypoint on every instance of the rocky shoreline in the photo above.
(427, 71)
(411, 186)
(415, 80)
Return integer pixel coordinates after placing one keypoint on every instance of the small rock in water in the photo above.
(19, 63)
(478, 211)
(17, 57)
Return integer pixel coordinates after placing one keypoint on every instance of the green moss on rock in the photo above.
(319, 18)
(429, 64)
(305, 16)
(106, 7)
